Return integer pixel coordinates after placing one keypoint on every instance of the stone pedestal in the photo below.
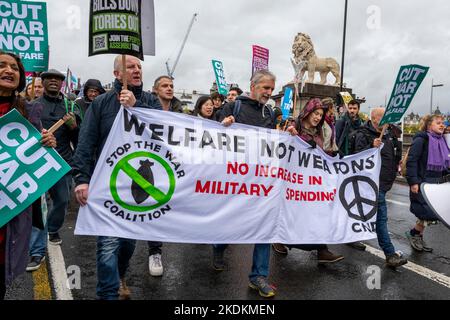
(311, 90)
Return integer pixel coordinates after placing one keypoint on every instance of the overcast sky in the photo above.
(381, 36)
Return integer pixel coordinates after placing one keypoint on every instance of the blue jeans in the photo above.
(113, 259)
(261, 259)
(38, 242)
(60, 195)
(382, 228)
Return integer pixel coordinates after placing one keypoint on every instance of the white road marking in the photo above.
(58, 271)
(398, 203)
(424, 272)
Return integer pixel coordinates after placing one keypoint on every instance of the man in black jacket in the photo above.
(52, 107)
(252, 111)
(345, 126)
(369, 137)
(113, 254)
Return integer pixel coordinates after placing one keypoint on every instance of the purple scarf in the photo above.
(438, 153)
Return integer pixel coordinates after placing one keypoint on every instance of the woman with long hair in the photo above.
(15, 235)
(309, 128)
(428, 162)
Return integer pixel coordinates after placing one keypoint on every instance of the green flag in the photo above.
(222, 86)
(27, 169)
(408, 82)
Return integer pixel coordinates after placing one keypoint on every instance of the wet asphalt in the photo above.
(188, 272)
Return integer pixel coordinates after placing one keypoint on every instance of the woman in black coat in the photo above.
(428, 161)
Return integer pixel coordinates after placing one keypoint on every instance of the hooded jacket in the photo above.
(98, 123)
(252, 113)
(312, 136)
(83, 102)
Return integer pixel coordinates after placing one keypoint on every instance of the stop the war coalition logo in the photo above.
(143, 178)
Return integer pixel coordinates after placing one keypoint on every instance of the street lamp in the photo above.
(433, 86)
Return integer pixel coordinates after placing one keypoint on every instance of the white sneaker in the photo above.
(155, 265)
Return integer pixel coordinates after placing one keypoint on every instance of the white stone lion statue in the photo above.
(305, 59)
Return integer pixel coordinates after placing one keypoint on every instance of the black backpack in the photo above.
(352, 140)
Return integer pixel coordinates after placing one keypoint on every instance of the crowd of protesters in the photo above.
(89, 119)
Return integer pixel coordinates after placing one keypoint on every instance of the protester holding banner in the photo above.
(163, 91)
(252, 110)
(309, 128)
(428, 162)
(346, 126)
(369, 137)
(204, 108)
(91, 90)
(54, 106)
(15, 235)
(38, 90)
(113, 254)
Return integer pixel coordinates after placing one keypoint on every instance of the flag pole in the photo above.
(124, 73)
(383, 131)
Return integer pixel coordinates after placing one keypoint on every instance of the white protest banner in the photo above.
(175, 178)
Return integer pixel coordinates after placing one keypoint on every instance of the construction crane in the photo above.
(171, 71)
